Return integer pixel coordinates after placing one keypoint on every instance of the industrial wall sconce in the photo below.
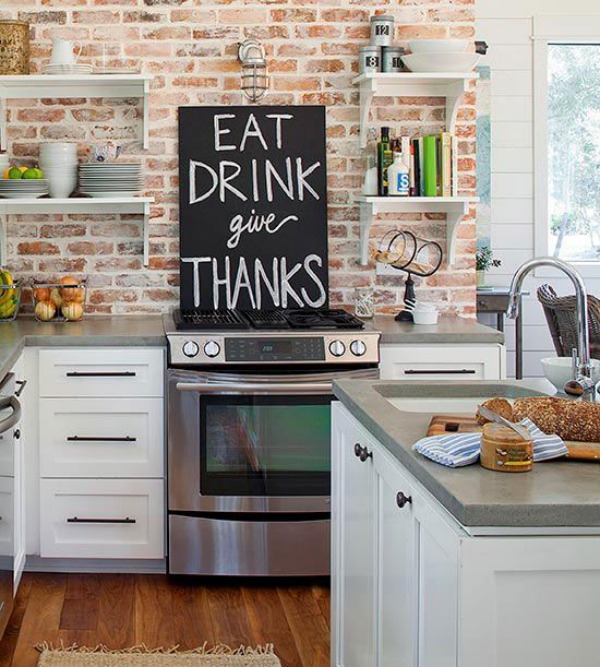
(255, 81)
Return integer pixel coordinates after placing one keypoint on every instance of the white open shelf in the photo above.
(410, 84)
(455, 209)
(75, 85)
(140, 205)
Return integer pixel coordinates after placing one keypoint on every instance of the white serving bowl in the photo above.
(438, 45)
(459, 63)
(61, 186)
(558, 370)
(425, 316)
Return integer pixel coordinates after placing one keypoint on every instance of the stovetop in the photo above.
(272, 320)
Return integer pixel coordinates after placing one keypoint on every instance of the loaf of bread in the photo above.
(571, 420)
(498, 405)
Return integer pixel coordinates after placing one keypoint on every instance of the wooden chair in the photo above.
(561, 315)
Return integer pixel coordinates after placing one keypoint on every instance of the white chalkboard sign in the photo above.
(253, 207)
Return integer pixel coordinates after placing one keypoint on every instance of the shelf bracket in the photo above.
(453, 219)
(145, 112)
(366, 99)
(367, 211)
(3, 137)
(146, 233)
(454, 99)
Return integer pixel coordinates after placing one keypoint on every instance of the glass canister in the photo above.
(14, 47)
(382, 30)
(364, 303)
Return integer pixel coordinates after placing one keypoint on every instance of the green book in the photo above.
(430, 166)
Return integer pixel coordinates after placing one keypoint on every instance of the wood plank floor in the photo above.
(123, 610)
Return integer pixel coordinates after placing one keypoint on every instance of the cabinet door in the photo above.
(354, 537)
(397, 566)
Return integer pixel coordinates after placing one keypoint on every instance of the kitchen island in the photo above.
(462, 567)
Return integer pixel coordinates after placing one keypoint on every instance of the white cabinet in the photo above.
(413, 588)
(101, 452)
(428, 363)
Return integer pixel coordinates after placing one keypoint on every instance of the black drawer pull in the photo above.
(76, 519)
(21, 384)
(402, 500)
(362, 453)
(85, 438)
(445, 371)
(101, 374)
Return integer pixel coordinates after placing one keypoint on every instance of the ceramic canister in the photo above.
(370, 59)
(382, 30)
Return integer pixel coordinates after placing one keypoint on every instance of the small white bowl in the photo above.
(438, 45)
(558, 370)
(425, 316)
(459, 63)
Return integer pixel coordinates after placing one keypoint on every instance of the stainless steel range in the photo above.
(249, 398)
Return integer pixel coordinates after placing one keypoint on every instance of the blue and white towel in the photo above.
(462, 449)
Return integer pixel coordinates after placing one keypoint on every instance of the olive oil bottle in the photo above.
(385, 157)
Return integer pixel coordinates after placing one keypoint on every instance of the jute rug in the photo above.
(140, 656)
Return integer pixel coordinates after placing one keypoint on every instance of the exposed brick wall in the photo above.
(190, 47)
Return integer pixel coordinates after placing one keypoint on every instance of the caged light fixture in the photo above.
(255, 81)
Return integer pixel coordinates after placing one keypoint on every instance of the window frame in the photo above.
(548, 30)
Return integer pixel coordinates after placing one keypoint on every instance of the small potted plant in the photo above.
(484, 260)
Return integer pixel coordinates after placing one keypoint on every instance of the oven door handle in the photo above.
(256, 388)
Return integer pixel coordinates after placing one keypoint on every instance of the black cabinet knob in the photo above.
(402, 500)
(365, 454)
(357, 450)
(17, 433)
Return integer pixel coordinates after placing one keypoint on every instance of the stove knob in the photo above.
(358, 348)
(212, 349)
(337, 348)
(190, 349)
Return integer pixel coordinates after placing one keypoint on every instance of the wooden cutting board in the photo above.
(447, 424)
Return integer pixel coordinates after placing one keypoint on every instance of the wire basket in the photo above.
(10, 301)
(59, 302)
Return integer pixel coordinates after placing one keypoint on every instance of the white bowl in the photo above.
(459, 63)
(438, 45)
(558, 370)
(425, 316)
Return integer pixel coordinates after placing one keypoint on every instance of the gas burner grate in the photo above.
(322, 319)
(198, 320)
(266, 319)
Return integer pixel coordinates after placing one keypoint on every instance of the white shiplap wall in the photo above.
(506, 25)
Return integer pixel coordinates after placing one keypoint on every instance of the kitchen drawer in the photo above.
(110, 372)
(101, 437)
(428, 363)
(102, 518)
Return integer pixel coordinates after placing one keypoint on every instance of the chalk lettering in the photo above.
(322, 298)
(255, 223)
(248, 132)
(218, 132)
(272, 286)
(278, 118)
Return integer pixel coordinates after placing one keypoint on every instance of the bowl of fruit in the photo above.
(62, 301)
(23, 183)
(10, 296)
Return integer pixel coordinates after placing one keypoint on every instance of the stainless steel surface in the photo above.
(584, 367)
(203, 546)
(521, 431)
(259, 388)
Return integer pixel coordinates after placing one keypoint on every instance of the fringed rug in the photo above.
(140, 656)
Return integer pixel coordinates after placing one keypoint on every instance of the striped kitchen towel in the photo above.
(462, 449)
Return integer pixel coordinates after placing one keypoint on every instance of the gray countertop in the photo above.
(555, 493)
(447, 331)
(96, 330)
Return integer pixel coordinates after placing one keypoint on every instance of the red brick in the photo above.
(37, 248)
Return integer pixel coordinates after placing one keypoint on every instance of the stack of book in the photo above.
(432, 166)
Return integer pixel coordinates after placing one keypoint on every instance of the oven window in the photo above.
(265, 445)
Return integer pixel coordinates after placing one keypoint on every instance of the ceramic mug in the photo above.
(105, 152)
(63, 51)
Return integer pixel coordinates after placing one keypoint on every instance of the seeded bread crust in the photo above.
(498, 405)
(571, 420)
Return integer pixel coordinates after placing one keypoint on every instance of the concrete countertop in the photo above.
(554, 493)
(447, 331)
(95, 330)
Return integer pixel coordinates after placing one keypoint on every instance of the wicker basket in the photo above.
(14, 47)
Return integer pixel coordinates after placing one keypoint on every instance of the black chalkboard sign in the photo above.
(253, 207)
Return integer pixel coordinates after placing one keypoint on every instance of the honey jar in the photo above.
(503, 450)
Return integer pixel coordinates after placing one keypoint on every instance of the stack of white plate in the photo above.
(110, 180)
(21, 188)
(440, 55)
(66, 69)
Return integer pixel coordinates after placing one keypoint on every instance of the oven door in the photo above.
(250, 443)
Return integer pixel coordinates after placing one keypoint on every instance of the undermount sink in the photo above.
(437, 398)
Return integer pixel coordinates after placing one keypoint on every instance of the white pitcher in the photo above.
(65, 51)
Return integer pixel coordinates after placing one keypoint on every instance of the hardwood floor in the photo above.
(123, 610)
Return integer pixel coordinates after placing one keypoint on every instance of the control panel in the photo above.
(275, 349)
